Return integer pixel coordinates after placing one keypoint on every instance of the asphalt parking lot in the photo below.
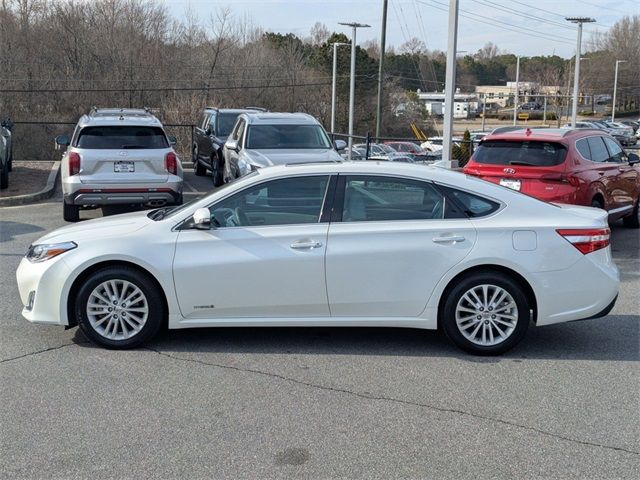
(317, 402)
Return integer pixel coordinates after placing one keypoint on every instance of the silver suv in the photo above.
(118, 156)
(262, 139)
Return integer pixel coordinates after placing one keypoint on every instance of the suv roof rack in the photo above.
(259, 109)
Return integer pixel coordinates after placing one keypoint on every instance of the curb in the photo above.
(46, 192)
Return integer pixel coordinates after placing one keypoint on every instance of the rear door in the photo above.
(202, 140)
(607, 172)
(627, 177)
(390, 242)
(122, 154)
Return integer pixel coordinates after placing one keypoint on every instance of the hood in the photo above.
(116, 225)
(269, 157)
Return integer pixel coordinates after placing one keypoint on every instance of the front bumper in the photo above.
(47, 279)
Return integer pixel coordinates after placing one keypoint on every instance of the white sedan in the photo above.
(351, 244)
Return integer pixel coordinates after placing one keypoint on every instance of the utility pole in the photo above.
(615, 89)
(515, 98)
(544, 113)
(576, 76)
(484, 109)
(352, 86)
(383, 36)
(450, 83)
(333, 85)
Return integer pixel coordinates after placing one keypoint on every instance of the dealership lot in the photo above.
(316, 403)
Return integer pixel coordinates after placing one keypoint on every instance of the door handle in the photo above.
(306, 245)
(451, 239)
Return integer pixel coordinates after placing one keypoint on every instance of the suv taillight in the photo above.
(171, 163)
(74, 163)
(587, 240)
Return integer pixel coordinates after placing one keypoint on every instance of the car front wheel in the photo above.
(633, 220)
(119, 307)
(216, 170)
(486, 313)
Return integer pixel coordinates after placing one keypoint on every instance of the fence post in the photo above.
(366, 155)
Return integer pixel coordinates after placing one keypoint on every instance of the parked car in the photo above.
(208, 139)
(6, 130)
(264, 139)
(630, 123)
(530, 106)
(623, 135)
(406, 147)
(118, 156)
(365, 244)
(575, 166)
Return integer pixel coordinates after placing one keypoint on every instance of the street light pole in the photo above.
(615, 89)
(450, 84)
(383, 36)
(515, 98)
(333, 85)
(352, 86)
(576, 76)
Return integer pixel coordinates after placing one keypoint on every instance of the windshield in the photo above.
(528, 153)
(226, 121)
(122, 137)
(287, 137)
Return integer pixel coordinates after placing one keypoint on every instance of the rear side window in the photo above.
(533, 153)
(599, 152)
(122, 137)
(473, 205)
(583, 147)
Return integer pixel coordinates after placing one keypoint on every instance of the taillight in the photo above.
(74, 163)
(171, 163)
(587, 240)
(561, 177)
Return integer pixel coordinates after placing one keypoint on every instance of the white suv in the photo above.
(262, 139)
(119, 156)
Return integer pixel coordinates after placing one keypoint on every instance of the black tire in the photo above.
(199, 169)
(216, 170)
(454, 296)
(152, 296)
(596, 203)
(70, 213)
(4, 176)
(633, 220)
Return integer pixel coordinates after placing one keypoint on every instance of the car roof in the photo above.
(279, 118)
(550, 134)
(119, 116)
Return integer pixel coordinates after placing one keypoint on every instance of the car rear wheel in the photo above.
(633, 220)
(70, 213)
(486, 313)
(119, 307)
(198, 168)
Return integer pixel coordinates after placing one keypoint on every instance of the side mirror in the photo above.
(231, 145)
(633, 158)
(340, 144)
(63, 140)
(208, 131)
(172, 140)
(202, 219)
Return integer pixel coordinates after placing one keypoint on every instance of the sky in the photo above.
(522, 27)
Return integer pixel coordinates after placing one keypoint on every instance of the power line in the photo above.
(500, 24)
(551, 13)
(174, 89)
(522, 14)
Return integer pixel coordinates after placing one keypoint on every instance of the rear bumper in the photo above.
(87, 197)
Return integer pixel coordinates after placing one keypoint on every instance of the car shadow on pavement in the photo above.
(9, 230)
(612, 338)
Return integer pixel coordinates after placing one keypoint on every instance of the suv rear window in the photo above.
(534, 153)
(122, 137)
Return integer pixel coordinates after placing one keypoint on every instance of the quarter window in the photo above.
(599, 152)
(583, 147)
(285, 201)
(473, 205)
(373, 198)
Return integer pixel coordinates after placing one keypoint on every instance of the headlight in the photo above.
(40, 253)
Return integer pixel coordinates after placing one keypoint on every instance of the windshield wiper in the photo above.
(132, 147)
(517, 162)
(159, 213)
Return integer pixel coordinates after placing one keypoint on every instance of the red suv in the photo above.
(577, 166)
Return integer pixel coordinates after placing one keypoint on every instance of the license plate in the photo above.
(124, 167)
(510, 183)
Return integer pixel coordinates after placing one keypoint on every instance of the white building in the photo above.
(464, 104)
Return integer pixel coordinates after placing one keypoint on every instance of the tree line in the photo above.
(59, 57)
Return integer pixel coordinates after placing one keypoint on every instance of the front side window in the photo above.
(615, 151)
(598, 150)
(204, 121)
(226, 121)
(122, 137)
(261, 137)
(285, 201)
(374, 198)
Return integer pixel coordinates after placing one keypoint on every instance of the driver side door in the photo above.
(263, 259)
